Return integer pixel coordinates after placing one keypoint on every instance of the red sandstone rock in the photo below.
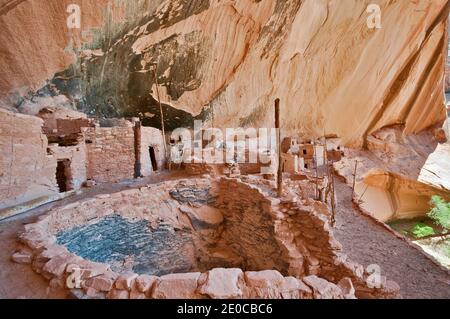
(56, 266)
(144, 283)
(390, 290)
(111, 275)
(125, 281)
(177, 286)
(347, 288)
(223, 283)
(27, 172)
(93, 293)
(440, 136)
(313, 261)
(57, 283)
(100, 283)
(264, 279)
(22, 257)
(137, 295)
(323, 289)
(52, 251)
(265, 284)
(294, 288)
(203, 217)
(118, 294)
(92, 269)
(36, 240)
(186, 209)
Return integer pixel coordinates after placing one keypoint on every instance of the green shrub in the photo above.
(421, 230)
(440, 212)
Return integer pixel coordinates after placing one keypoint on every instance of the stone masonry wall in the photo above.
(77, 157)
(302, 232)
(27, 172)
(110, 153)
(151, 137)
(306, 225)
(249, 229)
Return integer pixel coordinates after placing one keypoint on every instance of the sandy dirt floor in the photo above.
(367, 243)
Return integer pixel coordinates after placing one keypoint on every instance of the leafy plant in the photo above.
(440, 212)
(421, 230)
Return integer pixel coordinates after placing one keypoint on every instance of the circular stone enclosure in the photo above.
(192, 238)
(172, 227)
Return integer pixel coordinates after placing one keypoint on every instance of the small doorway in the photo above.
(63, 175)
(152, 152)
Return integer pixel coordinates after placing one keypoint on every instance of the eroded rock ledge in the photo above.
(280, 248)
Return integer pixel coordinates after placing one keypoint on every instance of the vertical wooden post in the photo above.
(161, 111)
(280, 165)
(325, 152)
(354, 178)
(330, 175)
(333, 200)
(137, 149)
(327, 167)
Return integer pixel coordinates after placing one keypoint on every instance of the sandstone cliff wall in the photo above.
(389, 197)
(233, 58)
(26, 170)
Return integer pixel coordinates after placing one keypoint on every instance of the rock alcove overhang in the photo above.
(121, 83)
(265, 37)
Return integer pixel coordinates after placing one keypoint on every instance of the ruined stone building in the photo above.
(70, 151)
(232, 149)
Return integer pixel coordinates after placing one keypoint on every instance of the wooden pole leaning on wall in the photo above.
(155, 66)
(333, 200)
(280, 160)
(330, 177)
(354, 178)
(137, 149)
